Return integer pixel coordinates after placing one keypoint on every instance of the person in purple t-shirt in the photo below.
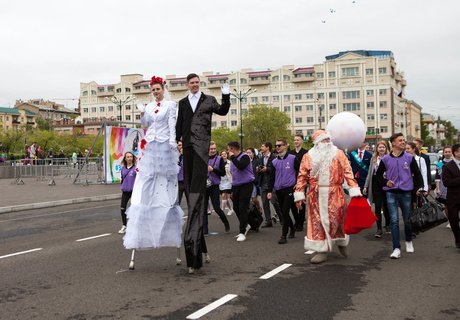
(128, 176)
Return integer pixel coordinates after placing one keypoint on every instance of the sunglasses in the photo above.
(279, 145)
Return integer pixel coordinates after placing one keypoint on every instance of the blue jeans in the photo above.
(403, 200)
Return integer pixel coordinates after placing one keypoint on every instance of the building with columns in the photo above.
(364, 82)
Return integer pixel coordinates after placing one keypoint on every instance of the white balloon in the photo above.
(347, 130)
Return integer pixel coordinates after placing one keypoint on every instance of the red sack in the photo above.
(359, 216)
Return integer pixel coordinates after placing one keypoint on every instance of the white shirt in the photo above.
(193, 99)
(457, 162)
(161, 121)
(422, 166)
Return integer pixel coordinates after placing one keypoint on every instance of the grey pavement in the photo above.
(35, 194)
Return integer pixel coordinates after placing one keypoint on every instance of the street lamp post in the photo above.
(241, 96)
(120, 103)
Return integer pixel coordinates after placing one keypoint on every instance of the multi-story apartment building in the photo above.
(363, 82)
(12, 118)
(50, 111)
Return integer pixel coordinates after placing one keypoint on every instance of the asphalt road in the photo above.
(69, 279)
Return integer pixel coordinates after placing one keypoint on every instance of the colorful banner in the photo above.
(117, 142)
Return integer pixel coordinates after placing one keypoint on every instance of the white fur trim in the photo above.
(299, 196)
(354, 192)
(321, 137)
(323, 245)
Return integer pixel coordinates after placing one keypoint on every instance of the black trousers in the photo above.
(241, 197)
(452, 214)
(380, 202)
(286, 200)
(125, 196)
(213, 193)
(195, 175)
(266, 205)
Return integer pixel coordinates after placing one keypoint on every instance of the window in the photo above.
(370, 105)
(233, 112)
(298, 120)
(233, 100)
(287, 108)
(310, 119)
(383, 116)
(298, 108)
(244, 111)
(127, 107)
(286, 77)
(309, 107)
(350, 72)
(351, 106)
(370, 130)
(383, 104)
(243, 81)
(370, 117)
(101, 109)
(384, 129)
(332, 106)
(298, 96)
(276, 78)
(382, 92)
(101, 89)
(233, 82)
(287, 97)
(93, 109)
(138, 117)
(203, 83)
(93, 92)
(320, 95)
(127, 90)
(369, 93)
(382, 70)
(276, 98)
(309, 96)
(119, 90)
(321, 119)
(309, 132)
(110, 108)
(350, 94)
(223, 123)
(332, 95)
(331, 74)
(85, 110)
(233, 123)
(320, 75)
(128, 117)
(369, 72)
(265, 99)
(110, 89)
(254, 99)
(213, 124)
(85, 93)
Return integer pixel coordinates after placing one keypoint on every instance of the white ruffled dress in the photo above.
(155, 217)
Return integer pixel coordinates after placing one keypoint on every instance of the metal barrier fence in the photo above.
(88, 171)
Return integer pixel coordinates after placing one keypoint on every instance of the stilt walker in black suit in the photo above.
(193, 128)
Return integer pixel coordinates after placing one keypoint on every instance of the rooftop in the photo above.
(381, 54)
(15, 111)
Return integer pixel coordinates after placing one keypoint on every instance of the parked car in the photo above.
(434, 159)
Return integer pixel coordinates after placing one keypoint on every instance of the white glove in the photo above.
(140, 107)
(225, 88)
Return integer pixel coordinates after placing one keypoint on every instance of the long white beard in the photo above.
(322, 156)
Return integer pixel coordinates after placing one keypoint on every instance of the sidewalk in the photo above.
(35, 194)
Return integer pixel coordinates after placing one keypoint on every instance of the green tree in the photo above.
(13, 140)
(223, 135)
(42, 124)
(263, 123)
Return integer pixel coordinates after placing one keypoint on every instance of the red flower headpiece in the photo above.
(157, 80)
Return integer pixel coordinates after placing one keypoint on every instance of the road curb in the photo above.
(49, 204)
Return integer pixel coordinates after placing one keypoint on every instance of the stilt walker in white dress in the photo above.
(155, 217)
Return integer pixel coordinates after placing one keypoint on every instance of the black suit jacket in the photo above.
(451, 179)
(267, 178)
(194, 128)
(367, 156)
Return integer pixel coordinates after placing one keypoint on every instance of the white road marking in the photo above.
(18, 253)
(198, 314)
(275, 271)
(56, 213)
(90, 238)
(120, 271)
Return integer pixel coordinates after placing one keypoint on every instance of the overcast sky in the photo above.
(49, 47)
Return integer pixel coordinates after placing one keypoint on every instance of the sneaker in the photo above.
(396, 254)
(378, 234)
(282, 240)
(387, 230)
(122, 230)
(230, 212)
(448, 225)
(241, 237)
(409, 247)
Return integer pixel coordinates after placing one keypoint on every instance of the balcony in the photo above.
(104, 93)
(213, 85)
(140, 90)
(303, 78)
(178, 87)
(258, 82)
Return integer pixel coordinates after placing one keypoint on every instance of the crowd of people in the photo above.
(301, 189)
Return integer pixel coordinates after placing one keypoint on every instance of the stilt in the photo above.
(131, 263)
(178, 259)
